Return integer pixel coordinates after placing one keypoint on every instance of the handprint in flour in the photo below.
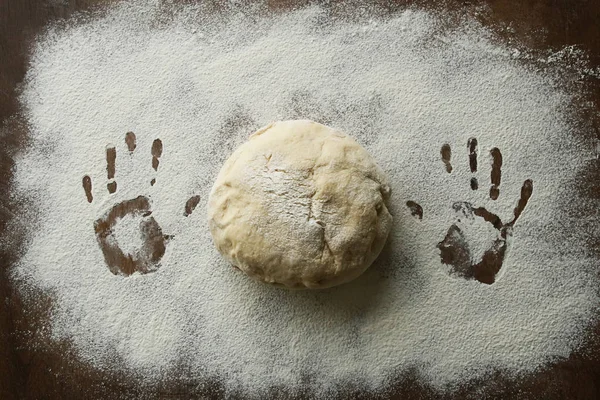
(456, 249)
(137, 211)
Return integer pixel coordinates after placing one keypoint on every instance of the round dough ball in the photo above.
(300, 205)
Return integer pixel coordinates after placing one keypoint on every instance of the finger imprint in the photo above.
(474, 184)
(157, 148)
(526, 191)
(111, 157)
(87, 187)
(489, 217)
(446, 153)
(496, 172)
(415, 209)
(191, 204)
(131, 141)
(112, 187)
(472, 146)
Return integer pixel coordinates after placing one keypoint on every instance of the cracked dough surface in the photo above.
(300, 205)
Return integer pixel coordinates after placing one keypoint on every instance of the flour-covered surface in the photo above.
(413, 91)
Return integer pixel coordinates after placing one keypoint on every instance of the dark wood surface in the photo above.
(31, 368)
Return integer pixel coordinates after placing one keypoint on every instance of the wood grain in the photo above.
(33, 368)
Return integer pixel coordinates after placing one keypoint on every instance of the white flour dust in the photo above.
(402, 89)
(127, 234)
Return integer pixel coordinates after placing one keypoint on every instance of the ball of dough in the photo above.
(300, 205)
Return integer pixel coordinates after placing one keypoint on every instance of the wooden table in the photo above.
(30, 369)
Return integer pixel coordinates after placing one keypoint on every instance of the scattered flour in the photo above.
(401, 87)
(128, 235)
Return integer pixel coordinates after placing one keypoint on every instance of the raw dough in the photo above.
(300, 205)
